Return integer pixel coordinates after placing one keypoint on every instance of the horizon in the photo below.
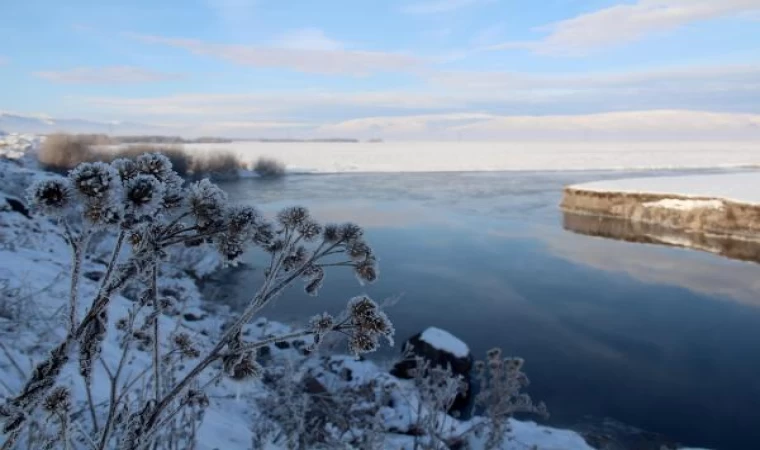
(428, 70)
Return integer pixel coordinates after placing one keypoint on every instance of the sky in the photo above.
(392, 69)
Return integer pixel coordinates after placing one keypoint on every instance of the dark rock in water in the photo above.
(18, 206)
(441, 349)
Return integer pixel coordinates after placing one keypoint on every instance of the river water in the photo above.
(660, 338)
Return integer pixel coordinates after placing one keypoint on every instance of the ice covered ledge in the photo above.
(725, 205)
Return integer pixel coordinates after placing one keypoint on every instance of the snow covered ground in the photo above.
(34, 262)
(741, 187)
(495, 156)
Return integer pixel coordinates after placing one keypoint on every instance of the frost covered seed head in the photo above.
(94, 180)
(331, 233)
(207, 202)
(185, 346)
(322, 323)
(358, 250)
(368, 323)
(196, 398)
(103, 213)
(143, 195)
(309, 229)
(361, 307)
(293, 217)
(154, 164)
(126, 168)
(51, 196)
(58, 401)
(361, 342)
(242, 368)
(350, 231)
(243, 220)
(366, 271)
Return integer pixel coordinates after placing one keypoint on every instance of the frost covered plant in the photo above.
(51, 196)
(149, 209)
(501, 383)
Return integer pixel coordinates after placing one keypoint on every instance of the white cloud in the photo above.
(106, 75)
(625, 23)
(311, 60)
(438, 6)
(308, 39)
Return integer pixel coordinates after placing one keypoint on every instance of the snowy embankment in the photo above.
(723, 206)
(494, 156)
(34, 268)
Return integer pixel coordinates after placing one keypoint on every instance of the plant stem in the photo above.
(156, 330)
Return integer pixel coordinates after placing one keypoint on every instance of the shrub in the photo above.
(217, 165)
(61, 152)
(269, 167)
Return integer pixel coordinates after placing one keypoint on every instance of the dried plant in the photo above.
(148, 208)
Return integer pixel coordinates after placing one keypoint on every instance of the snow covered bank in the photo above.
(723, 206)
(493, 156)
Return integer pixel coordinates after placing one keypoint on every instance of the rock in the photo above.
(282, 345)
(441, 349)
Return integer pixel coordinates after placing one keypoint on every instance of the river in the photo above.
(660, 338)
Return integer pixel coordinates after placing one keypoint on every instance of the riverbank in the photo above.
(724, 206)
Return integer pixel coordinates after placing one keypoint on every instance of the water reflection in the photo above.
(630, 231)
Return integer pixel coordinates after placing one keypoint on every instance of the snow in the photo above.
(443, 340)
(685, 205)
(743, 187)
(320, 157)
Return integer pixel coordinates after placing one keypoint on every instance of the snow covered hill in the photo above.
(40, 124)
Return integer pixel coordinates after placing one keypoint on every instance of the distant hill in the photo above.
(19, 123)
(125, 132)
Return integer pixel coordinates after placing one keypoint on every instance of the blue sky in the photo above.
(406, 69)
